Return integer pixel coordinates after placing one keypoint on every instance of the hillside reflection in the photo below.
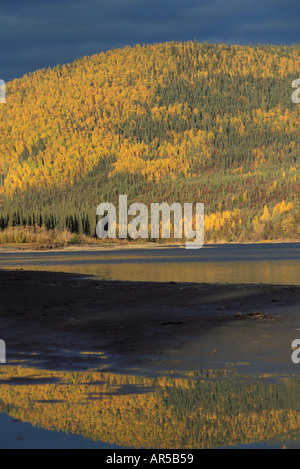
(201, 409)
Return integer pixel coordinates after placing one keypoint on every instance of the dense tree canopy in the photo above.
(185, 122)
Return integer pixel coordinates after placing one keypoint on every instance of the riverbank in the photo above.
(68, 321)
(121, 245)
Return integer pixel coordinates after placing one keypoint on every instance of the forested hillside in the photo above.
(174, 122)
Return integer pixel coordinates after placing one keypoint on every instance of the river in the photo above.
(209, 406)
(224, 263)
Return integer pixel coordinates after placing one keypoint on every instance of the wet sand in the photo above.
(50, 317)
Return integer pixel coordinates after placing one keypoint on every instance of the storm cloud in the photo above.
(37, 33)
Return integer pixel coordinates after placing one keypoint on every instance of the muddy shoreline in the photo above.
(49, 317)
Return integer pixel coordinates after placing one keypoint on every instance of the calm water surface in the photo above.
(256, 263)
(204, 408)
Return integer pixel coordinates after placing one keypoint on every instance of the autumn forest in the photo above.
(174, 122)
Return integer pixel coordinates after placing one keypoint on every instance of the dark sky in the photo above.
(40, 33)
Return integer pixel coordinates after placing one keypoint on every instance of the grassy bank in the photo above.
(36, 237)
